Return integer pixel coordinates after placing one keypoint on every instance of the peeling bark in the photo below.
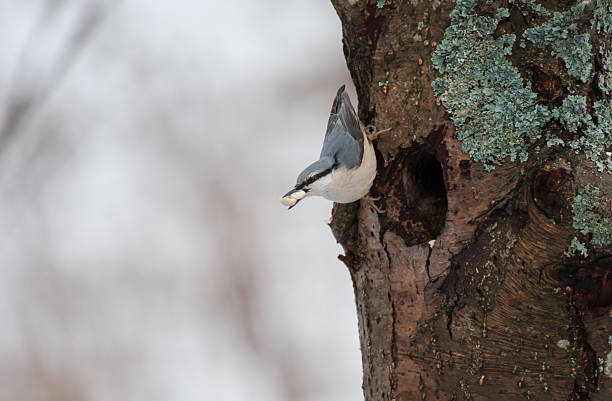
(494, 306)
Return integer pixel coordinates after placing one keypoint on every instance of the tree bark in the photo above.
(465, 288)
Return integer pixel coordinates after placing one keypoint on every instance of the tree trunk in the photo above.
(474, 284)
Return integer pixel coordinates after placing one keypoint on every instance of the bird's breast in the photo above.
(349, 185)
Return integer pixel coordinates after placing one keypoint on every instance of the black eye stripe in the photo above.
(315, 177)
(312, 179)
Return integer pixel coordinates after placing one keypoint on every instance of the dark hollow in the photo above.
(428, 175)
(416, 201)
(425, 192)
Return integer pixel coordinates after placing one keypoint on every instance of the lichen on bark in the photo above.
(442, 307)
(595, 134)
(496, 115)
(602, 16)
(588, 220)
(561, 33)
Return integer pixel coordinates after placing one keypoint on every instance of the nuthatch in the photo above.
(347, 165)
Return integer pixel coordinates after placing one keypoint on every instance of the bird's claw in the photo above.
(371, 202)
(373, 134)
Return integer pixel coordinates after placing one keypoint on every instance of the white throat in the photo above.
(348, 185)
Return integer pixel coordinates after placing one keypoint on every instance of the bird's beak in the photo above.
(292, 197)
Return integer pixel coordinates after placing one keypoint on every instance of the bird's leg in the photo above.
(372, 134)
(371, 202)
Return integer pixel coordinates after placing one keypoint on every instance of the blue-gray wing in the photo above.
(343, 139)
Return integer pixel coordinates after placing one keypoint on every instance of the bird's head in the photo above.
(312, 181)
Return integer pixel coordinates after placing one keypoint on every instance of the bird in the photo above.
(346, 167)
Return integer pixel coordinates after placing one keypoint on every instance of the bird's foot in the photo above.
(373, 134)
(371, 202)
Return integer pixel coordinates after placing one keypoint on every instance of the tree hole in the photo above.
(425, 190)
(429, 177)
(417, 204)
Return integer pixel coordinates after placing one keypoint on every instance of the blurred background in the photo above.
(144, 254)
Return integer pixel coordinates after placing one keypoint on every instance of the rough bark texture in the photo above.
(496, 307)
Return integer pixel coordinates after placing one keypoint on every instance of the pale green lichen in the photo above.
(561, 33)
(577, 246)
(572, 113)
(553, 140)
(602, 16)
(536, 7)
(588, 220)
(495, 115)
(596, 135)
(602, 20)
(605, 365)
(605, 76)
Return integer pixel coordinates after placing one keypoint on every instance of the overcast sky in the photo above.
(144, 252)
